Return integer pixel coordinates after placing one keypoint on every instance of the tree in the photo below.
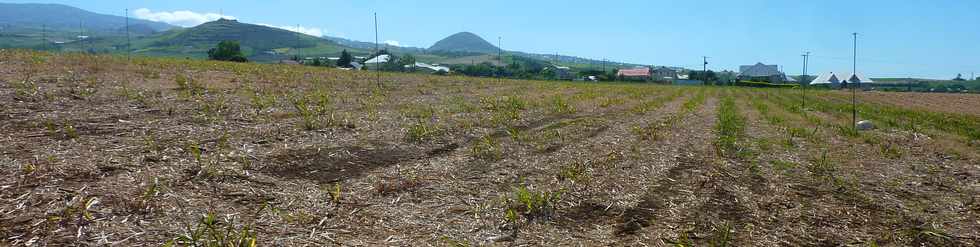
(227, 50)
(316, 62)
(708, 76)
(959, 77)
(345, 59)
(408, 59)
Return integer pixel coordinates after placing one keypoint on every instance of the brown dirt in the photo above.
(98, 151)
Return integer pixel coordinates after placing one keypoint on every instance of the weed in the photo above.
(336, 193)
(823, 167)
(26, 90)
(421, 131)
(574, 173)
(210, 232)
(261, 101)
(534, 204)
(195, 151)
(69, 130)
(561, 106)
(610, 101)
(187, 86)
(312, 111)
(722, 235)
(517, 134)
(486, 148)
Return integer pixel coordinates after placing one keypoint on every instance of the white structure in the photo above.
(379, 59)
(434, 68)
(836, 80)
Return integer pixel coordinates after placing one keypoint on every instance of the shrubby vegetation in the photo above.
(227, 50)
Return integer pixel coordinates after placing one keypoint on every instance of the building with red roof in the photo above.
(640, 73)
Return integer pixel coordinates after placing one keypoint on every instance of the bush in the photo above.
(227, 51)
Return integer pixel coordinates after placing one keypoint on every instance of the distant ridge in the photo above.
(464, 42)
(57, 16)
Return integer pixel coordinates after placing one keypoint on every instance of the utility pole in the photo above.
(377, 66)
(299, 50)
(855, 79)
(804, 81)
(81, 33)
(908, 84)
(44, 36)
(603, 65)
(704, 71)
(500, 52)
(128, 41)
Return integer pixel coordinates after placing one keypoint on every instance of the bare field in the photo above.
(101, 151)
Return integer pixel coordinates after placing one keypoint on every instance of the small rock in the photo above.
(865, 125)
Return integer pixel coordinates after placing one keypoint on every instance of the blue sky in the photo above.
(932, 39)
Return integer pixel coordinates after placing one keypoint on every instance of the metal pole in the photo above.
(44, 36)
(704, 71)
(128, 41)
(299, 51)
(853, 91)
(803, 80)
(81, 43)
(377, 66)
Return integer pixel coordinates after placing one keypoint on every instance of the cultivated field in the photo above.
(98, 150)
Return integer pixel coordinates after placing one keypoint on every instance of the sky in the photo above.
(914, 38)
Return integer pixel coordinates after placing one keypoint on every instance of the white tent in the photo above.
(833, 79)
(829, 78)
(859, 78)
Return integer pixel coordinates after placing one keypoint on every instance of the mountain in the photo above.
(258, 42)
(464, 42)
(368, 46)
(57, 16)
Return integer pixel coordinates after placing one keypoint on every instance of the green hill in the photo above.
(258, 42)
(464, 42)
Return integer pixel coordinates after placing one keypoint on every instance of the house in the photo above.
(664, 74)
(635, 74)
(761, 72)
(836, 81)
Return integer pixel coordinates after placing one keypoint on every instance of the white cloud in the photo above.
(393, 43)
(312, 31)
(187, 18)
(182, 18)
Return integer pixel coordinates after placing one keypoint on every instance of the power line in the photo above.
(804, 80)
(500, 58)
(704, 71)
(44, 36)
(129, 44)
(377, 63)
(853, 91)
(81, 33)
